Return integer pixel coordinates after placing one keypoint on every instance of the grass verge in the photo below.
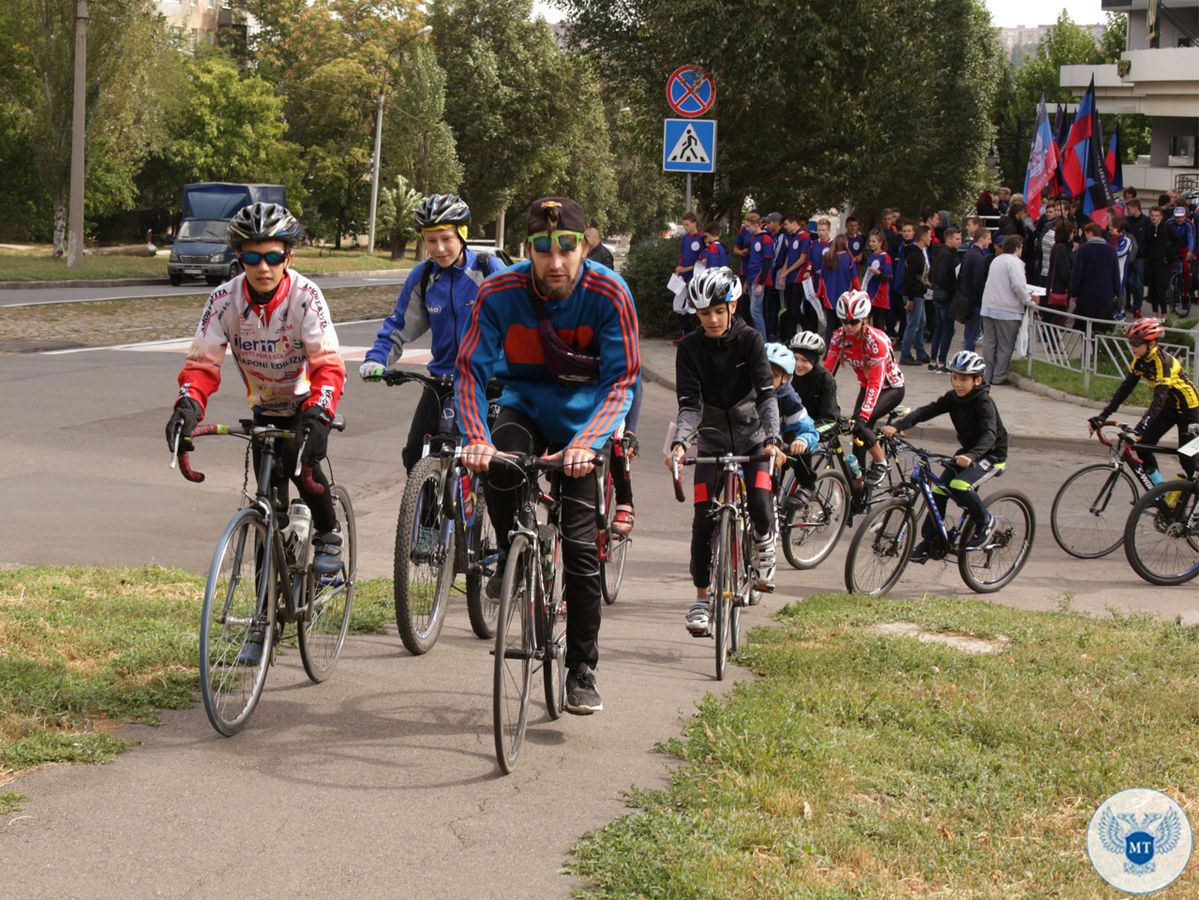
(86, 650)
(1099, 391)
(858, 764)
(11, 802)
(39, 264)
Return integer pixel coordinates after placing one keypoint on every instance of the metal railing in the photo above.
(1096, 348)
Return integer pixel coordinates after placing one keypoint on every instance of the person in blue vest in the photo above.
(691, 247)
(797, 313)
(761, 257)
(560, 333)
(715, 256)
(437, 296)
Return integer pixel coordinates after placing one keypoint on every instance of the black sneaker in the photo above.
(582, 699)
(981, 536)
(495, 584)
(877, 474)
(919, 553)
(326, 559)
(251, 651)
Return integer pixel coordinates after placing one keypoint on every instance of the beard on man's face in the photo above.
(558, 292)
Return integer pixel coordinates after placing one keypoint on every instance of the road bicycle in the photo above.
(1091, 507)
(1161, 536)
(731, 584)
(262, 577)
(613, 545)
(811, 520)
(1178, 290)
(882, 545)
(530, 631)
(443, 531)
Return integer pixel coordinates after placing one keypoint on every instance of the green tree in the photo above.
(227, 125)
(806, 119)
(418, 144)
(397, 205)
(128, 74)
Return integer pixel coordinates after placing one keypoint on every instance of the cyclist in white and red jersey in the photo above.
(867, 350)
(277, 325)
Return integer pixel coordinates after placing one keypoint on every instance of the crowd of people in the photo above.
(926, 275)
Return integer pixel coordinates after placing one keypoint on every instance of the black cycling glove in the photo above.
(314, 432)
(1096, 422)
(184, 420)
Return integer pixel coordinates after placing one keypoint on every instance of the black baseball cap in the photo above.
(555, 214)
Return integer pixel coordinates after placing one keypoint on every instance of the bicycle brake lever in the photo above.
(175, 449)
(300, 456)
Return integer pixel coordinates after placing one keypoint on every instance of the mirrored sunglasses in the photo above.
(566, 240)
(272, 257)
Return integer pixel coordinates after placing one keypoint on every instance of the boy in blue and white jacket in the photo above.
(796, 427)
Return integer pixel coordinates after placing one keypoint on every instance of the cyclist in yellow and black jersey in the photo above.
(1175, 398)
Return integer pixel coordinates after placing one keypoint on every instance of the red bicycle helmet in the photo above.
(1145, 330)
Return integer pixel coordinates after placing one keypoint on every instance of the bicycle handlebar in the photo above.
(727, 459)
(248, 433)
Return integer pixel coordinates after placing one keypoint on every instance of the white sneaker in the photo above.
(698, 619)
(764, 563)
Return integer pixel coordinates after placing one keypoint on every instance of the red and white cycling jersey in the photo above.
(869, 354)
(286, 351)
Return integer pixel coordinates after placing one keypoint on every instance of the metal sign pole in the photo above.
(687, 202)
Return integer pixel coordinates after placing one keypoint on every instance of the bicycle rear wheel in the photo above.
(551, 636)
(1090, 510)
(994, 565)
(330, 599)
(880, 548)
(724, 585)
(239, 604)
(814, 520)
(513, 655)
(483, 558)
(424, 559)
(1159, 544)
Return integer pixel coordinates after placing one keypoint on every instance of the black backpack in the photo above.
(482, 261)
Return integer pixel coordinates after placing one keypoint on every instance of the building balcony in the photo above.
(1161, 82)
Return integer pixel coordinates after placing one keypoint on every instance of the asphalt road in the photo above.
(383, 780)
(48, 296)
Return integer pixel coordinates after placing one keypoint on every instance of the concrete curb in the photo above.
(142, 282)
(942, 433)
(1035, 387)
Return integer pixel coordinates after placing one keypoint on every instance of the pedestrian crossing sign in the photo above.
(689, 145)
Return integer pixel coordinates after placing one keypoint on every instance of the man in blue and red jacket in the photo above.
(560, 332)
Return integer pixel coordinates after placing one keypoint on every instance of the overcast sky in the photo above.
(1005, 13)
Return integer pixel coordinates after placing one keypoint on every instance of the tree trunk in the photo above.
(60, 226)
(398, 249)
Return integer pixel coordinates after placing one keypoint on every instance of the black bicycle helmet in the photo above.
(440, 210)
(264, 222)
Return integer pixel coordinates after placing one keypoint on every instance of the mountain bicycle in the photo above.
(882, 545)
(530, 630)
(613, 545)
(1161, 536)
(1091, 507)
(261, 578)
(731, 585)
(443, 531)
(811, 520)
(1178, 290)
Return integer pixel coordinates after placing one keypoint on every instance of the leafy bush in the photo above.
(647, 269)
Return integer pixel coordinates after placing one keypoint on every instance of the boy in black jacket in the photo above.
(726, 404)
(983, 452)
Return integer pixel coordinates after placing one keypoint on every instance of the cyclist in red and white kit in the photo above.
(276, 324)
(867, 350)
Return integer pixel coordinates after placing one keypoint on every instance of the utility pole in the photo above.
(78, 124)
(376, 162)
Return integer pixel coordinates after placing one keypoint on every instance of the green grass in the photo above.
(11, 802)
(863, 765)
(40, 265)
(85, 650)
(1099, 391)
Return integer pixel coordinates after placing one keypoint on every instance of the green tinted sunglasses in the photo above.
(566, 240)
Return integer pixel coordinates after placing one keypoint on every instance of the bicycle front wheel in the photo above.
(237, 618)
(1161, 538)
(513, 655)
(725, 586)
(330, 599)
(615, 550)
(424, 559)
(1090, 510)
(483, 558)
(551, 636)
(880, 549)
(996, 563)
(814, 520)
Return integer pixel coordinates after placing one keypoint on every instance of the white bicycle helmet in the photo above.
(967, 362)
(264, 222)
(853, 306)
(712, 286)
(778, 355)
(810, 341)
